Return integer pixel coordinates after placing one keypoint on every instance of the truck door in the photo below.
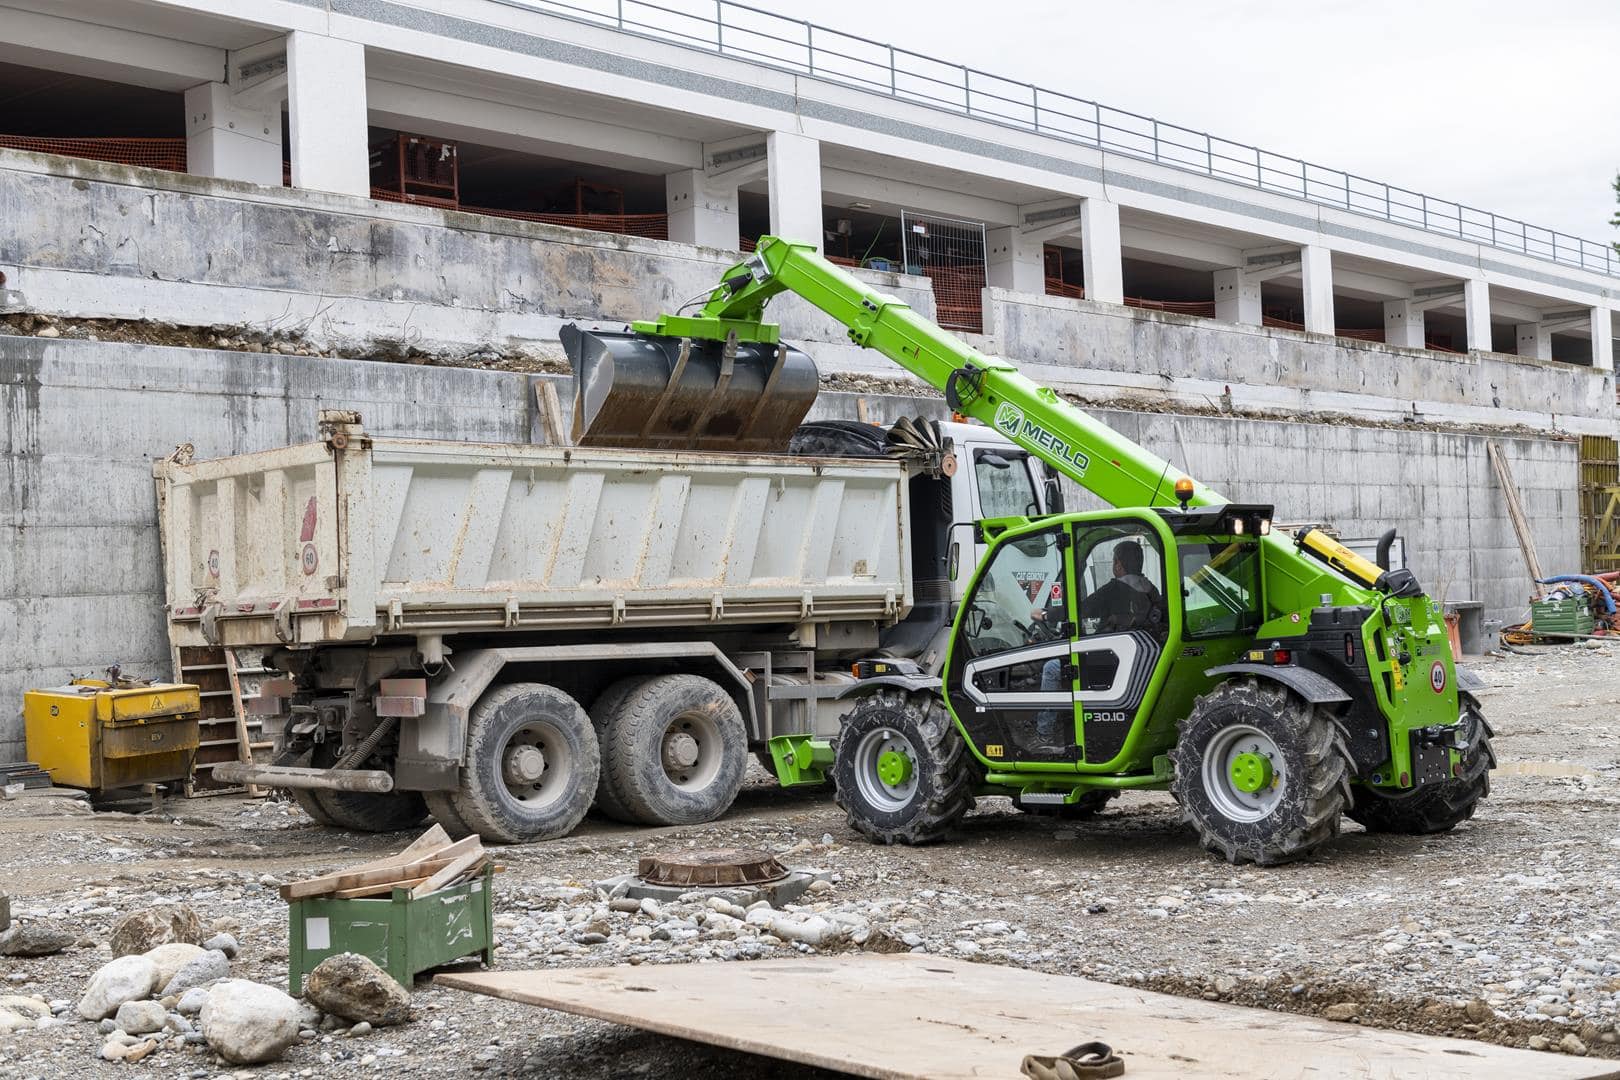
(1123, 622)
(1010, 680)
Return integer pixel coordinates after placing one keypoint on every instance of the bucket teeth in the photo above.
(644, 391)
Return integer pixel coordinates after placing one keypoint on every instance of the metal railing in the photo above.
(802, 47)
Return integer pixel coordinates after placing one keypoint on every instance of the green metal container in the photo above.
(403, 936)
(1570, 617)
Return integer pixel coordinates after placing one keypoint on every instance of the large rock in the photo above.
(140, 1017)
(146, 930)
(247, 1023)
(26, 1006)
(34, 939)
(129, 978)
(207, 967)
(171, 957)
(356, 989)
(13, 1022)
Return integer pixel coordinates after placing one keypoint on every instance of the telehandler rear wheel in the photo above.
(1261, 774)
(1434, 808)
(902, 772)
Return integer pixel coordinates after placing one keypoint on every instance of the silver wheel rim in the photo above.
(535, 764)
(877, 794)
(691, 751)
(1229, 800)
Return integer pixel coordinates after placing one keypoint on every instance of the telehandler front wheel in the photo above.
(901, 771)
(1261, 774)
(1434, 808)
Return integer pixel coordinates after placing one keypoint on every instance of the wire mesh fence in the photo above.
(950, 253)
(167, 154)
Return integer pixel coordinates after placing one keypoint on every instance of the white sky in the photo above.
(1511, 106)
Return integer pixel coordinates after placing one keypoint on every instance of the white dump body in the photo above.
(326, 542)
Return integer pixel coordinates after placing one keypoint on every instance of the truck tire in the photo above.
(838, 438)
(1433, 808)
(901, 771)
(1261, 774)
(1088, 805)
(674, 752)
(442, 808)
(362, 811)
(532, 765)
(607, 704)
(302, 797)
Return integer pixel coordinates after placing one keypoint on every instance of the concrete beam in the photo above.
(1603, 339)
(702, 209)
(106, 52)
(739, 161)
(1260, 270)
(1101, 257)
(1046, 222)
(1316, 276)
(1403, 324)
(326, 97)
(1178, 250)
(1533, 340)
(230, 139)
(1015, 260)
(1237, 297)
(1477, 313)
(795, 176)
(842, 186)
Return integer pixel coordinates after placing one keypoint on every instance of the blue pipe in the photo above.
(1602, 587)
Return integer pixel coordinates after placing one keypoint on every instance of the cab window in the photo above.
(1221, 583)
(1020, 597)
(1120, 580)
(1005, 486)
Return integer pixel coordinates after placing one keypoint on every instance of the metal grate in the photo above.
(1600, 504)
(950, 253)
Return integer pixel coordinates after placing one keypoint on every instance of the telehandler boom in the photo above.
(1272, 682)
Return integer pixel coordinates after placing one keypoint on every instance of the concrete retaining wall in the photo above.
(87, 239)
(80, 575)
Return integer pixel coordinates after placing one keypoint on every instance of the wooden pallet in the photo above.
(226, 732)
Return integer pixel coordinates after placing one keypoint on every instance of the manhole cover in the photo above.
(723, 866)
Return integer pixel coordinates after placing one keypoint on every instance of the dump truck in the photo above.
(1273, 682)
(502, 635)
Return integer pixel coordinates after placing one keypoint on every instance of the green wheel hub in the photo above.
(1251, 772)
(894, 768)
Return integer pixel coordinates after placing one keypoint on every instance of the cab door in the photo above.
(1011, 680)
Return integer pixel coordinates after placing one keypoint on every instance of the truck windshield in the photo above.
(1005, 486)
(1221, 583)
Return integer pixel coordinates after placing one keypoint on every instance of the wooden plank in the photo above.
(450, 873)
(244, 749)
(1521, 524)
(378, 889)
(910, 1017)
(552, 428)
(392, 870)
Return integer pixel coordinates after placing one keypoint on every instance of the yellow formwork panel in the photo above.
(92, 735)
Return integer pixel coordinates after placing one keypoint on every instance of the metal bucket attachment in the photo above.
(643, 391)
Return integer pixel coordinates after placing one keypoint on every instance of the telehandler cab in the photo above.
(1271, 682)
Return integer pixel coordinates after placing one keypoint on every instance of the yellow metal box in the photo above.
(98, 736)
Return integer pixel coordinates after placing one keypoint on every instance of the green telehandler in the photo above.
(1272, 682)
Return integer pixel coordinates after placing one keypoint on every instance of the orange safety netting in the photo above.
(147, 153)
(651, 226)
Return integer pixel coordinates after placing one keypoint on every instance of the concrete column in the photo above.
(1237, 299)
(1602, 339)
(1015, 261)
(230, 140)
(1403, 324)
(795, 179)
(1316, 282)
(702, 210)
(1533, 340)
(326, 97)
(1100, 257)
(1477, 312)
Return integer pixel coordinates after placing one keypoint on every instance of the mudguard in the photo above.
(1468, 682)
(1315, 688)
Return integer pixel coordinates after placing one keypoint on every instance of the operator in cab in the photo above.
(1129, 601)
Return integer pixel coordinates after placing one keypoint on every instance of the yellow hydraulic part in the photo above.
(98, 735)
(1341, 558)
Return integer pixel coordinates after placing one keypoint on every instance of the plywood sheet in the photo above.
(911, 1016)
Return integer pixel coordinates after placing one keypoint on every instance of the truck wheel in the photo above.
(532, 764)
(1261, 774)
(442, 808)
(363, 811)
(674, 752)
(902, 773)
(304, 798)
(607, 704)
(1433, 808)
(1088, 805)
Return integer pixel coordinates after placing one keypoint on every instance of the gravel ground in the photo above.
(1504, 930)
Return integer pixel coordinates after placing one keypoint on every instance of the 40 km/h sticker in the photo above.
(1437, 677)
